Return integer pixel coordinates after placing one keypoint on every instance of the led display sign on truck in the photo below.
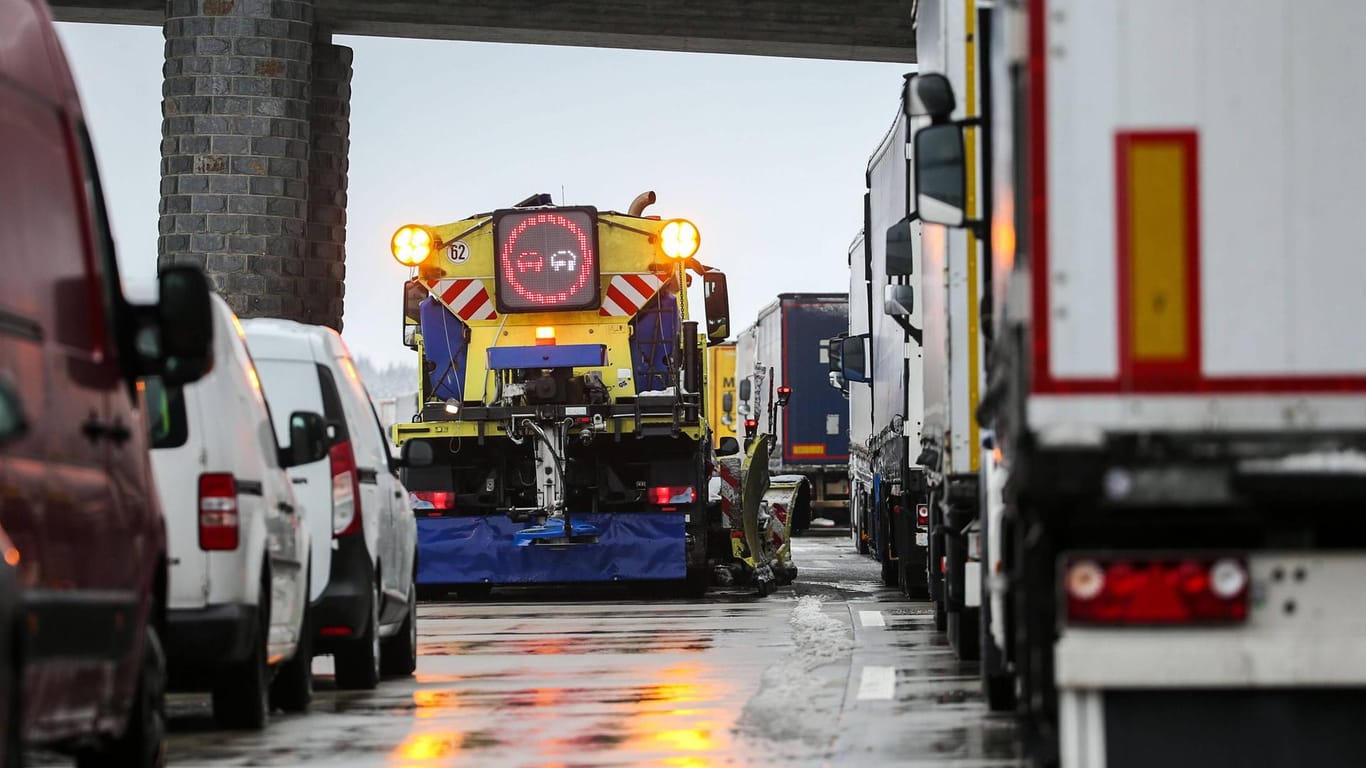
(547, 259)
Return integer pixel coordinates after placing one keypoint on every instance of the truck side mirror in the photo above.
(717, 303)
(934, 94)
(744, 390)
(413, 294)
(184, 320)
(307, 439)
(418, 453)
(900, 253)
(727, 402)
(12, 422)
(729, 447)
(855, 356)
(940, 178)
(898, 300)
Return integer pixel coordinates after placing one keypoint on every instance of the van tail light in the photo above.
(922, 515)
(218, 522)
(1190, 590)
(670, 496)
(345, 490)
(432, 503)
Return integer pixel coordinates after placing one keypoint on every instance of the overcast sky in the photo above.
(765, 155)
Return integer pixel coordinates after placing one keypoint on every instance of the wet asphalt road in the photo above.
(833, 670)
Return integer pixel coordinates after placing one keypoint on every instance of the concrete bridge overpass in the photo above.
(256, 107)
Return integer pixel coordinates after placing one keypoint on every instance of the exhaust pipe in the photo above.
(643, 200)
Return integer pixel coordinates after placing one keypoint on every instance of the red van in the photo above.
(76, 494)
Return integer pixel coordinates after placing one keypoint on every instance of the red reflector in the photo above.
(336, 631)
(1176, 591)
(218, 523)
(673, 494)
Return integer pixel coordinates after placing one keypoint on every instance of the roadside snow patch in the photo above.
(797, 700)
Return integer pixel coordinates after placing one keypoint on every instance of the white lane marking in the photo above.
(877, 683)
(871, 619)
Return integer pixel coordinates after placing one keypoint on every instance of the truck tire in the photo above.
(143, 742)
(292, 688)
(998, 685)
(241, 691)
(357, 661)
(398, 654)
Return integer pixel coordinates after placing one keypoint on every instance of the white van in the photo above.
(365, 548)
(237, 539)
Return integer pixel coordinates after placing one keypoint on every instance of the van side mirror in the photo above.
(12, 421)
(729, 447)
(716, 299)
(184, 320)
(940, 176)
(898, 300)
(307, 440)
(418, 453)
(900, 253)
(855, 356)
(744, 390)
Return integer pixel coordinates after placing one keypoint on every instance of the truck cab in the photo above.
(563, 398)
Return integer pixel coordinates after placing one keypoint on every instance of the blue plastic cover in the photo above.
(443, 338)
(547, 356)
(655, 341)
(631, 546)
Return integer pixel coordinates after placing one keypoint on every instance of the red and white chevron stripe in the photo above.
(626, 294)
(466, 297)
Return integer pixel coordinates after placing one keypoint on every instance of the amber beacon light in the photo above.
(679, 239)
(411, 245)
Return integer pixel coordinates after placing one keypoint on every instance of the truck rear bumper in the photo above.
(1283, 688)
(636, 546)
(1267, 728)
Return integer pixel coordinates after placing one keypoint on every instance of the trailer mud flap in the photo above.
(637, 546)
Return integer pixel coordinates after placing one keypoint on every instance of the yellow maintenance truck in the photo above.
(564, 434)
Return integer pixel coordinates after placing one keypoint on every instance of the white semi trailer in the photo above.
(1162, 198)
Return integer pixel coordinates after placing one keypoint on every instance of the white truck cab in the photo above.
(238, 543)
(365, 537)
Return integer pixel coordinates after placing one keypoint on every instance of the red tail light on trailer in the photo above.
(218, 520)
(432, 503)
(672, 495)
(1156, 592)
(345, 490)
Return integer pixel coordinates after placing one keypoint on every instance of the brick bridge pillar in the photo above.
(254, 115)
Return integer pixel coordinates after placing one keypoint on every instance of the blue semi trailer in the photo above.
(784, 354)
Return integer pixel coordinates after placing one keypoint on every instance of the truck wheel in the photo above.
(398, 654)
(965, 633)
(143, 743)
(998, 685)
(357, 661)
(890, 572)
(292, 689)
(241, 693)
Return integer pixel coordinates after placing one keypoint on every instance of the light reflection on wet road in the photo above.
(620, 679)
